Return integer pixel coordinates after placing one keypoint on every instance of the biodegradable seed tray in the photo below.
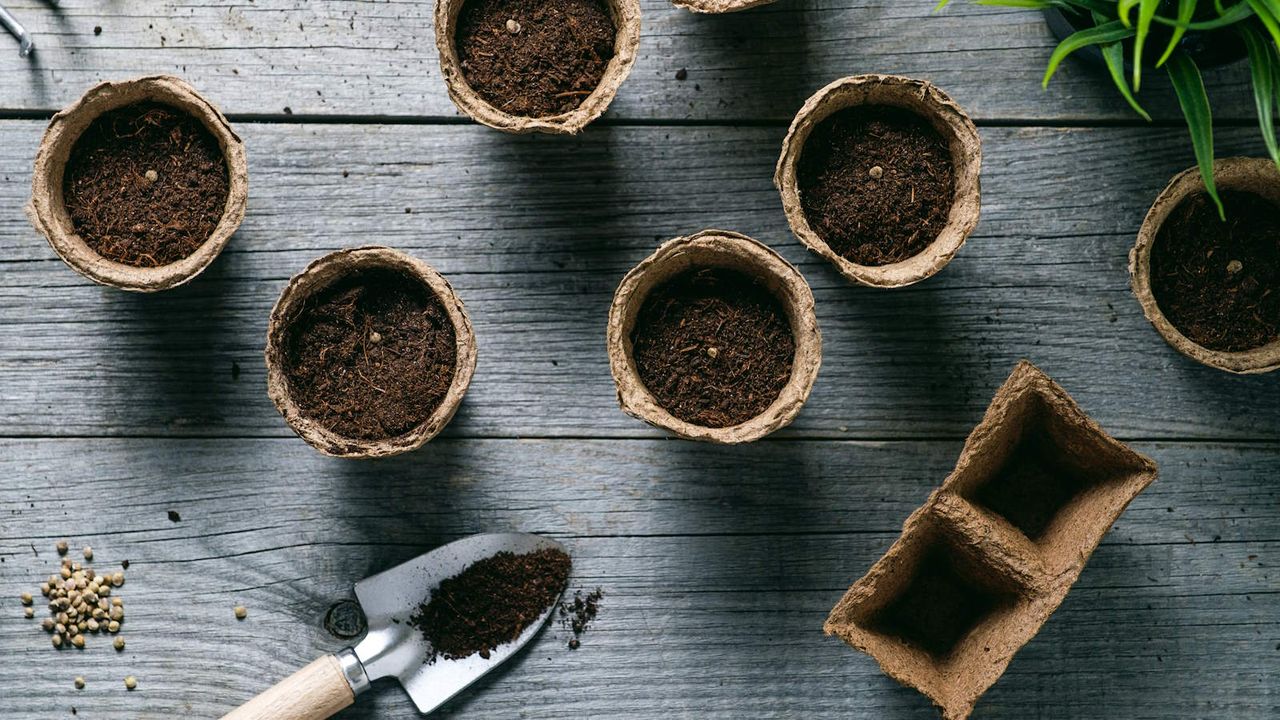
(993, 552)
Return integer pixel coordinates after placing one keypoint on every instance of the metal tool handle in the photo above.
(10, 23)
(315, 692)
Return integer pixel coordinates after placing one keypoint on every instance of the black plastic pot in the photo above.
(1209, 49)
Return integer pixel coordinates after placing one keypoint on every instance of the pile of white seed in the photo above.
(80, 602)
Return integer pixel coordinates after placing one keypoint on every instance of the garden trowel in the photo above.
(393, 647)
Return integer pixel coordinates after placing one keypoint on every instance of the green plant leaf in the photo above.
(1231, 16)
(1189, 87)
(1146, 13)
(1113, 55)
(1186, 10)
(1113, 31)
(1123, 8)
(1265, 68)
(1268, 11)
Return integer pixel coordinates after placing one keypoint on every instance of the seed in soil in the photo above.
(713, 346)
(534, 58)
(491, 602)
(876, 183)
(366, 390)
(146, 185)
(1218, 282)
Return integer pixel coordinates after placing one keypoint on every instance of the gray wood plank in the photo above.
(325, 57)
(719, 566)
(535, 233)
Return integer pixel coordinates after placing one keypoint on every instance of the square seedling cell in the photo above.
(1037, 463)
(937, 613)
(983, 564)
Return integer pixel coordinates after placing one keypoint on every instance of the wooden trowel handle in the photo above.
(315, 692)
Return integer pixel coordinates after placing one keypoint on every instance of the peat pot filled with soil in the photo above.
(879, 175)
(714, 337)
(139, 184)
(1212, 287)
(369, 352)
(536, 65)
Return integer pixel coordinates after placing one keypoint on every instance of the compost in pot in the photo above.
(534, 58)
(876, 183)
(146, 185)
(372, 356)
(713, 346)
(1218, 282)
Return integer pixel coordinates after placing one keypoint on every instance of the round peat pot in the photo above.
(718, 6)
(317, 365)
(1250, 175)
(921, 103)
(625, 17)
(746, 301)
(48, 208)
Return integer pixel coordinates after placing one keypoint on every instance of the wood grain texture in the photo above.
(327, 57)
(719, 566)
(535, 233)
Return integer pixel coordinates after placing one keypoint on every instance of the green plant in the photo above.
(1115, 22)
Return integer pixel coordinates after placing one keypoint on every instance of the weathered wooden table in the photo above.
(719, 564)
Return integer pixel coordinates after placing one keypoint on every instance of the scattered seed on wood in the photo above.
(26, 598)
(131, 682)
(88, 553)
(118, 643)
(62, 547)
(79, 683)
(682, 74)
(28, 612)
(241, 612)
(174, 516)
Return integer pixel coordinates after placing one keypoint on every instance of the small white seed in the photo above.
(241, 612)
(151, 176)
(1235, 266)
(118, 643)
(375, 337)
(513, 27)
(131, 682)
(876, 172)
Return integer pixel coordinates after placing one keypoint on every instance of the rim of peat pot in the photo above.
(323, 273)
(626, 21)
(719, 6)
(47, 208)
(732, 251)
(1255, 175)
(946, 117)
